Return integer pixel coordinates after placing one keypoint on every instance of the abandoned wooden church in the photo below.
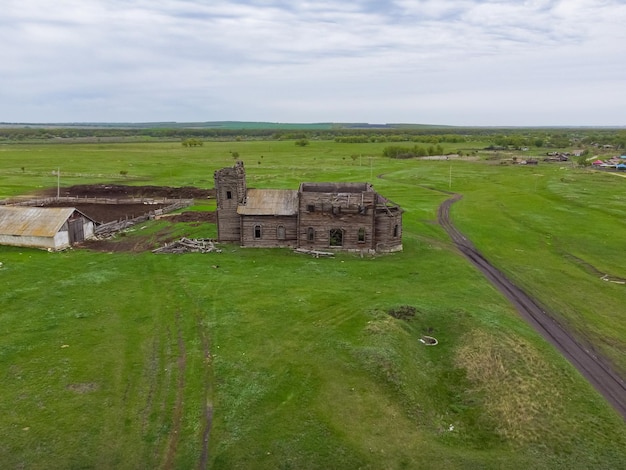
(317, 216)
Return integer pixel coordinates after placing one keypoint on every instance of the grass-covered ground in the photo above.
(123, 360)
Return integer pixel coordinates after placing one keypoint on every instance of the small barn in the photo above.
(53, 228)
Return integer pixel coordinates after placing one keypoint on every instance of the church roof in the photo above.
(269, 202)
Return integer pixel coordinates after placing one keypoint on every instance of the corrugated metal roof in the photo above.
(33, 221)
(270, 202)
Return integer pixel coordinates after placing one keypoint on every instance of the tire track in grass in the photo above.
(208, 405)
(595, 368)
(178, 407)
(207, 379)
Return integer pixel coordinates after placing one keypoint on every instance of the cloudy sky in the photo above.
(456, 62)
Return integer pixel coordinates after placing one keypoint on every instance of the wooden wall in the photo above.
(353, 209)
(348, 212)
(230, 190)
(269, 225)
(388, 237)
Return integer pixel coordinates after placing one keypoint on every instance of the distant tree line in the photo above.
(509, 138)
(395, 151)
(364, 138)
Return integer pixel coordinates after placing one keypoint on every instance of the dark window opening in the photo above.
(257, 231)
(336, 237)
(310, 207)
(336, 210)
(396, 231)
(280, 232)
(361, 235)
(229, 194)
(310, 234)
(363, 210)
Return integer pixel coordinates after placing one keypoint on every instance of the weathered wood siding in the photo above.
(230, 189)
(342, 216)
(348, 212)
(388, 230)
(269, 231)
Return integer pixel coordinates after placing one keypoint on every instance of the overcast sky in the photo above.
(456, 62)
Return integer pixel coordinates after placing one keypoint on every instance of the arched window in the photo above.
(280, 232)
(257, 231)
(361, 235)
(336, 237)
(310, 234)
(396, 231)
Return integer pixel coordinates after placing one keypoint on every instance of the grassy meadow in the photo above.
(264, 358)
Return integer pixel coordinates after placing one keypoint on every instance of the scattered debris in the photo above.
(315, 253)
(189, 245)
(429, 341)
(606, 278)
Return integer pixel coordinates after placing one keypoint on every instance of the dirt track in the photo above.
(593, 367)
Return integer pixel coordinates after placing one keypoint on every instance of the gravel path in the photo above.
(593, 367)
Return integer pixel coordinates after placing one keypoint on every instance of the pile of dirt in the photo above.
(123, 191)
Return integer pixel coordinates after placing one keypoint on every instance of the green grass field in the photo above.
(119, 360)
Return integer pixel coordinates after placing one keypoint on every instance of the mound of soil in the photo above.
(124, 191)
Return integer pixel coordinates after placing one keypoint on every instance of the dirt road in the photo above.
(592, 366)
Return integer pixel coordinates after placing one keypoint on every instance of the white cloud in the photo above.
(451, 61)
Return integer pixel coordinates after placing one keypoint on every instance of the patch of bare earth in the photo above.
(174, 437)
(137, 243)
(104, 213)
(83, 387)
(192, 217)
(120, 191)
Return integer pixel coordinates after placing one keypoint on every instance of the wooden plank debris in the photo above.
(189, 245)
(315, 253)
